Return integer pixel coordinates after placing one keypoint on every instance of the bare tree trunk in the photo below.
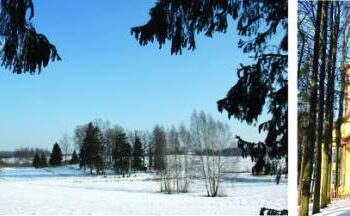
(209, 175)
(301, 53)
(334, 58)
(318, 161)
(204, 173)
(308, 150)
(177, 171)
(161, 182)
(330, 107)
(150, 156)
(300, 179)
(187, 172)
(302, 139)
(218, 174)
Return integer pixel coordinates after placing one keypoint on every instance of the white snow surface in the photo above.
(67, 190)
(336, 208)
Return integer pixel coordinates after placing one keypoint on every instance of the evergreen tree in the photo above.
(23, 49)
(150, 155)
(159, 140)
(99, 161)
(137, 154)
(56, 155)
(36, 161)
(91, 150)
(43, 161)
(75, 158)
(122, 153)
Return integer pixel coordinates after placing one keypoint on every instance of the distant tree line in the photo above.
(40, 161)
(25, 153)
(6, 154)
(177, 155)
(40, 158)
(168, 152)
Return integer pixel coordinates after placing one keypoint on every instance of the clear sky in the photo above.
(105, 74)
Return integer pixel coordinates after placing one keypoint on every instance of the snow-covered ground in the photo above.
(66, 190)
(339, 208)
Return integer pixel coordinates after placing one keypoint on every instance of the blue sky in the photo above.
(105, 74)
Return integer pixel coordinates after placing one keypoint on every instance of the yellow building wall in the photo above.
(345, 129)
(346, 186)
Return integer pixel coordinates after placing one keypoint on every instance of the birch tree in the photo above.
(65, 144)
(185, 144)
(209, 137)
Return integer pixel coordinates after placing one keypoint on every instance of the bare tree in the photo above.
(109, 136)
(146, 140)
(79, 135)
(174, 163)
(320, 117)
(209, 138)
(307, 150)
(177, 173)
(65, 144)
(185, 144)
(109, 139)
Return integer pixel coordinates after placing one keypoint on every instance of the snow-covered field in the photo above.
(336, 208)
(66, 190)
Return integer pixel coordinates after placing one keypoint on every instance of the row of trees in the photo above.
(323, 35)
(40, 160)
(27, 153)
(171, 153)
(101, 147)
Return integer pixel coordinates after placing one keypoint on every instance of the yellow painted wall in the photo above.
(346, 185)
(345, 129)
